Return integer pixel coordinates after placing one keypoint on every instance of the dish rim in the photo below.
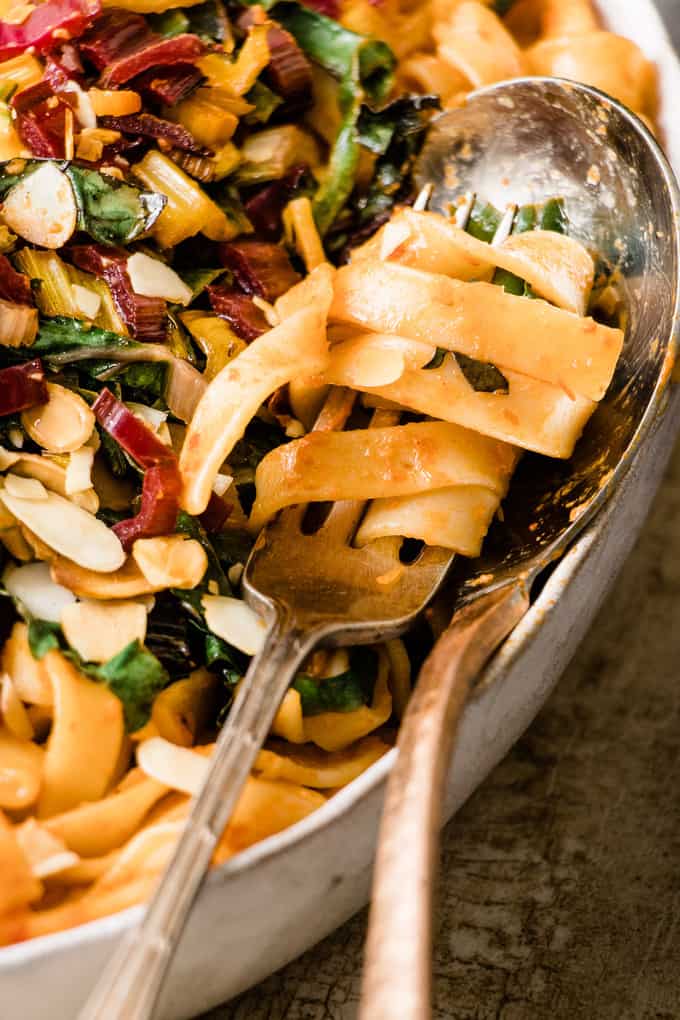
(70, 939)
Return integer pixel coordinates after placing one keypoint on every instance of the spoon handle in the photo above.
(131, 982)
(397, 970)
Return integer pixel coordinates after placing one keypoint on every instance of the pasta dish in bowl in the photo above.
(207, 222)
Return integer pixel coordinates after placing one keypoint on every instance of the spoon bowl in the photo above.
(525, 141)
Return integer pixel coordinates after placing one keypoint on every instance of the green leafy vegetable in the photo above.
(111, 211)
(482, 376)
(144, 381)
(61, 334)
(369, 63)
(169, 23)
(484, 221)
(501, 7)
(208, 21)
(342, 693)
(438, 358)
(43, 637)
(135, 676)
(264, 100)
(199, 279)
(191, 527)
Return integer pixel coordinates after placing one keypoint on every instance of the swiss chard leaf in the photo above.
(342, 693)
(199, 279)
(169, 23)
(483, 377)
(112, 211)
(135, 676)
(62, 334)
(264, 102)
(43, 637)
(208, 21)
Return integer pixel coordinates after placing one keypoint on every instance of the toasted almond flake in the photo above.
(61, 425)
(179, 768)
(17, 437)
(152, 278)
(79, 470)
(221, 484)
(235, 573)
(25, 488)
(268, 310)
(85, 114)
(87, 302)
(41, 208)
(235, 622)
(99, 630)
(32, 586)
(69, 530)
(172, 562)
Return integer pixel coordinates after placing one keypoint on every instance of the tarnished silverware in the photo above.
(528, 141)
(317, 589)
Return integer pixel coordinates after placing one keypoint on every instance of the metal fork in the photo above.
(313, 589)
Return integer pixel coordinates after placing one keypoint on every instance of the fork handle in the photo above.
(397, 970)
(131, 982)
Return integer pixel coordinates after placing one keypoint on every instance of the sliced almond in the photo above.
(177, 767)
(79, 471)
(25, 488)
(235, 622)
(41, 208)
(32, 586)
(99, 630)
(126, 583)
(69, 530)
(61, 425)
(53, 476)
(152, 278)
(172, 562)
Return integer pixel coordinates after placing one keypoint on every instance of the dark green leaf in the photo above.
(344, 54)
(407, 115)
(192, 528)
(525, 219)
(483, 377)
(199, 279)
(484, 221)
(265, 102)
(135, 676)
(43, 637)
(501, 7)
(554, 216)
(343, 693)
(144, 381)
(438, 358)
(260, 437)
(111, 211)
(169, 23)
(61, 334)
(208, 21)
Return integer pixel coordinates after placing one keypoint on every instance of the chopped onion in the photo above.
(180, 768)
(32, 586)
(153, 278)
(235, 622)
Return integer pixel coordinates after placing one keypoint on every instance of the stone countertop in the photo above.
(560, 889)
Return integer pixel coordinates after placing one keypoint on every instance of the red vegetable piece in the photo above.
(215, 514)
(157, 53)
(45, 128)
(259, 267)
(32, 96)
(14, 286)
(68, 18)
(148, 126)
(157, 515)
(63, 68)
(113, 34)
(22, 386)
(133, 435)
(288, 73)
(245, 318)
(145, 317)
(265, 207)
(168, 85)
(331, 8)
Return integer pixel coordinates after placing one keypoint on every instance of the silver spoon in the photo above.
(318, 589)
(524, 141)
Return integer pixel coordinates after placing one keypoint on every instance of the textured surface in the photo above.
(560, 892)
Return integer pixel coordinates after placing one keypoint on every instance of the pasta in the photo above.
(207, 227)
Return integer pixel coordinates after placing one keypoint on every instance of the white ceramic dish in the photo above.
(278, 898)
